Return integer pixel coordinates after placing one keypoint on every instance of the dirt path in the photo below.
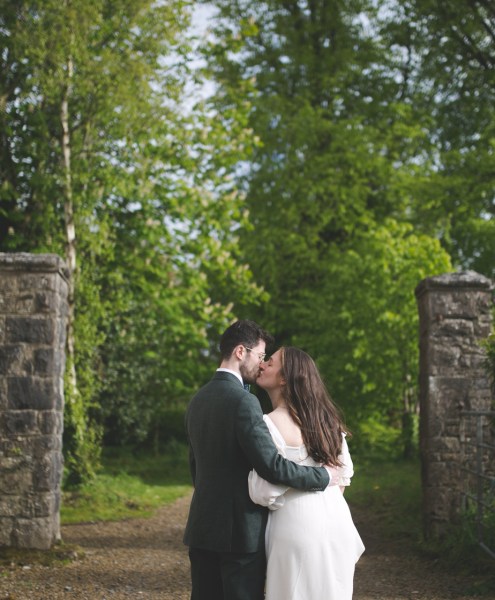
(146, 559)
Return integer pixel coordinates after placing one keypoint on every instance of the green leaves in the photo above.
(346, 191)
(156, 211)
(341, 153)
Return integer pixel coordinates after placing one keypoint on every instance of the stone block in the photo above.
(448, 394)
(48, 423)
(18, 422)
(31, 281)
(46, 361)
(435, 467)
(59, 396)
(483, 327)
(9, 282)
(24, 304)
(13, 463)
(38, 533)
(60, 333)
(444, 359)
(45, 302)
(47, 474)
(10, 506)
(453, 328)
(13, 446)
(25, 263)
(33, 393)
(15, 360)
(6, 528)
(7, 302)
(46, 444)
(446, 445)
(38, 505)
(15, 481)
(29, 330)
(31, 302)
(57, 501)
(3, 395)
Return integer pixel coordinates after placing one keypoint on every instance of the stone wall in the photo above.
(455, 316)
(33, 314)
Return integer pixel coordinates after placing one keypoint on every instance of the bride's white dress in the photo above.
(312, 544)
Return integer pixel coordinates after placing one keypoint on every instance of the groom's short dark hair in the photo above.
(245, 332)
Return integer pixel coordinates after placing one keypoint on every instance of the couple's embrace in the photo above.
(306, 546)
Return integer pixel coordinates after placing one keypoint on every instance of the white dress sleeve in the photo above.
(346, 471)
(263, 492)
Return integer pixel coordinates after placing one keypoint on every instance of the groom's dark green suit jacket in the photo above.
(228, 438)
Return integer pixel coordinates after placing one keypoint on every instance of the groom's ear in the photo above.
(238, 351)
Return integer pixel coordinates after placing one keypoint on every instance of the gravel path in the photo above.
(146, 559)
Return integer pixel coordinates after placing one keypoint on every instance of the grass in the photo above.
(390, 491)
(59, 554)
(131, 484)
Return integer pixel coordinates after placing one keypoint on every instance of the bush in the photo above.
(460, 549)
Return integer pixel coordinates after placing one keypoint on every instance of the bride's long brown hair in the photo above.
(311, 406)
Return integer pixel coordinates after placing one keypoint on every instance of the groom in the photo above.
(225, 531)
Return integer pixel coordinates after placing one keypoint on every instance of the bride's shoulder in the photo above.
(289, 430)
(276, 417)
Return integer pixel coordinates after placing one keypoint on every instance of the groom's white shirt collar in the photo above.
(232, 372)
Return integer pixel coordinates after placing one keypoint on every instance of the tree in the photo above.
(445, 59)
(363, 327)
(342, 160)
(100, 154)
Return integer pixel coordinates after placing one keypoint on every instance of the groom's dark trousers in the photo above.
(225, 530)
(227, 574)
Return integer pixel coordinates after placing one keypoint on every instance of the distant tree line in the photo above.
(342, 151)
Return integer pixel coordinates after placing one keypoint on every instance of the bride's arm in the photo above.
(347, 469)
(265, 493)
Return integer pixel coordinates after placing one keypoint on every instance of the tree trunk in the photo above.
(70, 230)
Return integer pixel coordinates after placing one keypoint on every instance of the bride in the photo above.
(311, 542)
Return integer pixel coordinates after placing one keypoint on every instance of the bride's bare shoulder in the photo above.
(290, 431)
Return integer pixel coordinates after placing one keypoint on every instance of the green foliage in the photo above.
(459, 549)
(365, 335)
(113, 498)
(81, 442)
(130, 484)
(344, 154)
(82, 427)
(444, 60)
(361, 186)
(374, 437)
(155, 212)
(390, 492)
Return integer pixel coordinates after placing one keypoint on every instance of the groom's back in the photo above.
(219, 468)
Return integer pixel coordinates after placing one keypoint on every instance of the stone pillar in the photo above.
(454, 316)
(33, 315)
